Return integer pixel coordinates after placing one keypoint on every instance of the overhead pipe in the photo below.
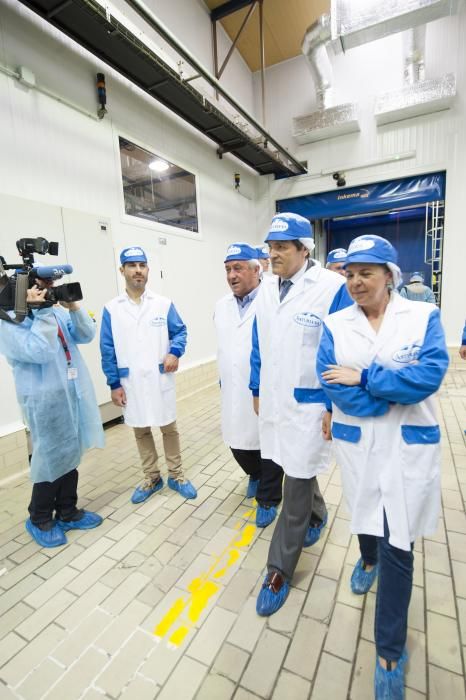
(356, 23)
(153, 21)
(314, 48)
(418, 96)
(414, 51)
(262, 51)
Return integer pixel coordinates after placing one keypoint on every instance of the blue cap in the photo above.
(133, 254)
(241, 251)
(371, 249)
(289, 227)
(262, 252)
(417, 277)
(338, 255)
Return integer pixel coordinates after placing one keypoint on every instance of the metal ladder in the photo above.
(433, 244)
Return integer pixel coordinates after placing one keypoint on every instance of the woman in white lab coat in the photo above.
(380, 362)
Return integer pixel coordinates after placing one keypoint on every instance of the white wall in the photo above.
(438, 139)
(53, 155)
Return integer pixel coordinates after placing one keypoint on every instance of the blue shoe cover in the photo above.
(184, 488)
(362, 580)
(390, 685)
(46, 538)
(265, 516)
(141, 494)
(313, 533)
(87, 522)
(252, 488)
(269, 602)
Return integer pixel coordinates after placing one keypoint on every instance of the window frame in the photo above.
(156, 226)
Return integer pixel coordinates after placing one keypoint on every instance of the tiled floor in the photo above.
(159, 601)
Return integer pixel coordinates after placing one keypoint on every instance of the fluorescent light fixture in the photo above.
(159, 165)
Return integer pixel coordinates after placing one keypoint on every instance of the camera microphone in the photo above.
(52, 272)
(64, 292)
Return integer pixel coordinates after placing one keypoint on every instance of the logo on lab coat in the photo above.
(408, 354)
(307, 319)
(158, 321)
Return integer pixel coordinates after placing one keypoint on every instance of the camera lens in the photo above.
(66, 292)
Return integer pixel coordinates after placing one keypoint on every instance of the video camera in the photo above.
(13, 289)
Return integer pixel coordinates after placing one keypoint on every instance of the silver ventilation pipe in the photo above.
(418, 96)
(314, 48)
(356, 23)
(414, 50)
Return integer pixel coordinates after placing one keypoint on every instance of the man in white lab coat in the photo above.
(142, 338)
(234, 315)
(286, 333)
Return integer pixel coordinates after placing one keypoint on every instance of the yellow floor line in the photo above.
(186, 610)
(232, 559)
(171, 616)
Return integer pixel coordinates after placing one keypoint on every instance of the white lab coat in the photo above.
(291, 400)
(240, 428)
(140, 338)
(389, 461)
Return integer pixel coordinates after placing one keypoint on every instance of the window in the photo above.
(157, 190)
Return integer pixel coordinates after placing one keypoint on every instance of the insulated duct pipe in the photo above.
(314, 49)
(414, 48)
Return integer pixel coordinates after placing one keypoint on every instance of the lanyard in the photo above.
(64, 345)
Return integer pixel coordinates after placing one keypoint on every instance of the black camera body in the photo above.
(13, 289)
(63, 292)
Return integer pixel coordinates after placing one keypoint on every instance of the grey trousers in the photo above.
(303, 504)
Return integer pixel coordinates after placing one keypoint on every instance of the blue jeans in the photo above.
(395, 582)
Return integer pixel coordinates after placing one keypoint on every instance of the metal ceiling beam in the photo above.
(58, 8)
(228, 8)
(170, 204)
(109, 35)
(219, 71)
(151, 19)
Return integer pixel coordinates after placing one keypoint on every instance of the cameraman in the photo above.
(58, 403)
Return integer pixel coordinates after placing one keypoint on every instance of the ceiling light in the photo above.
(159, 165)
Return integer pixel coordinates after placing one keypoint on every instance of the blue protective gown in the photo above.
(59, 407)
(418, 292)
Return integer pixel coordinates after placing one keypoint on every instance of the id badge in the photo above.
(72, 373)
